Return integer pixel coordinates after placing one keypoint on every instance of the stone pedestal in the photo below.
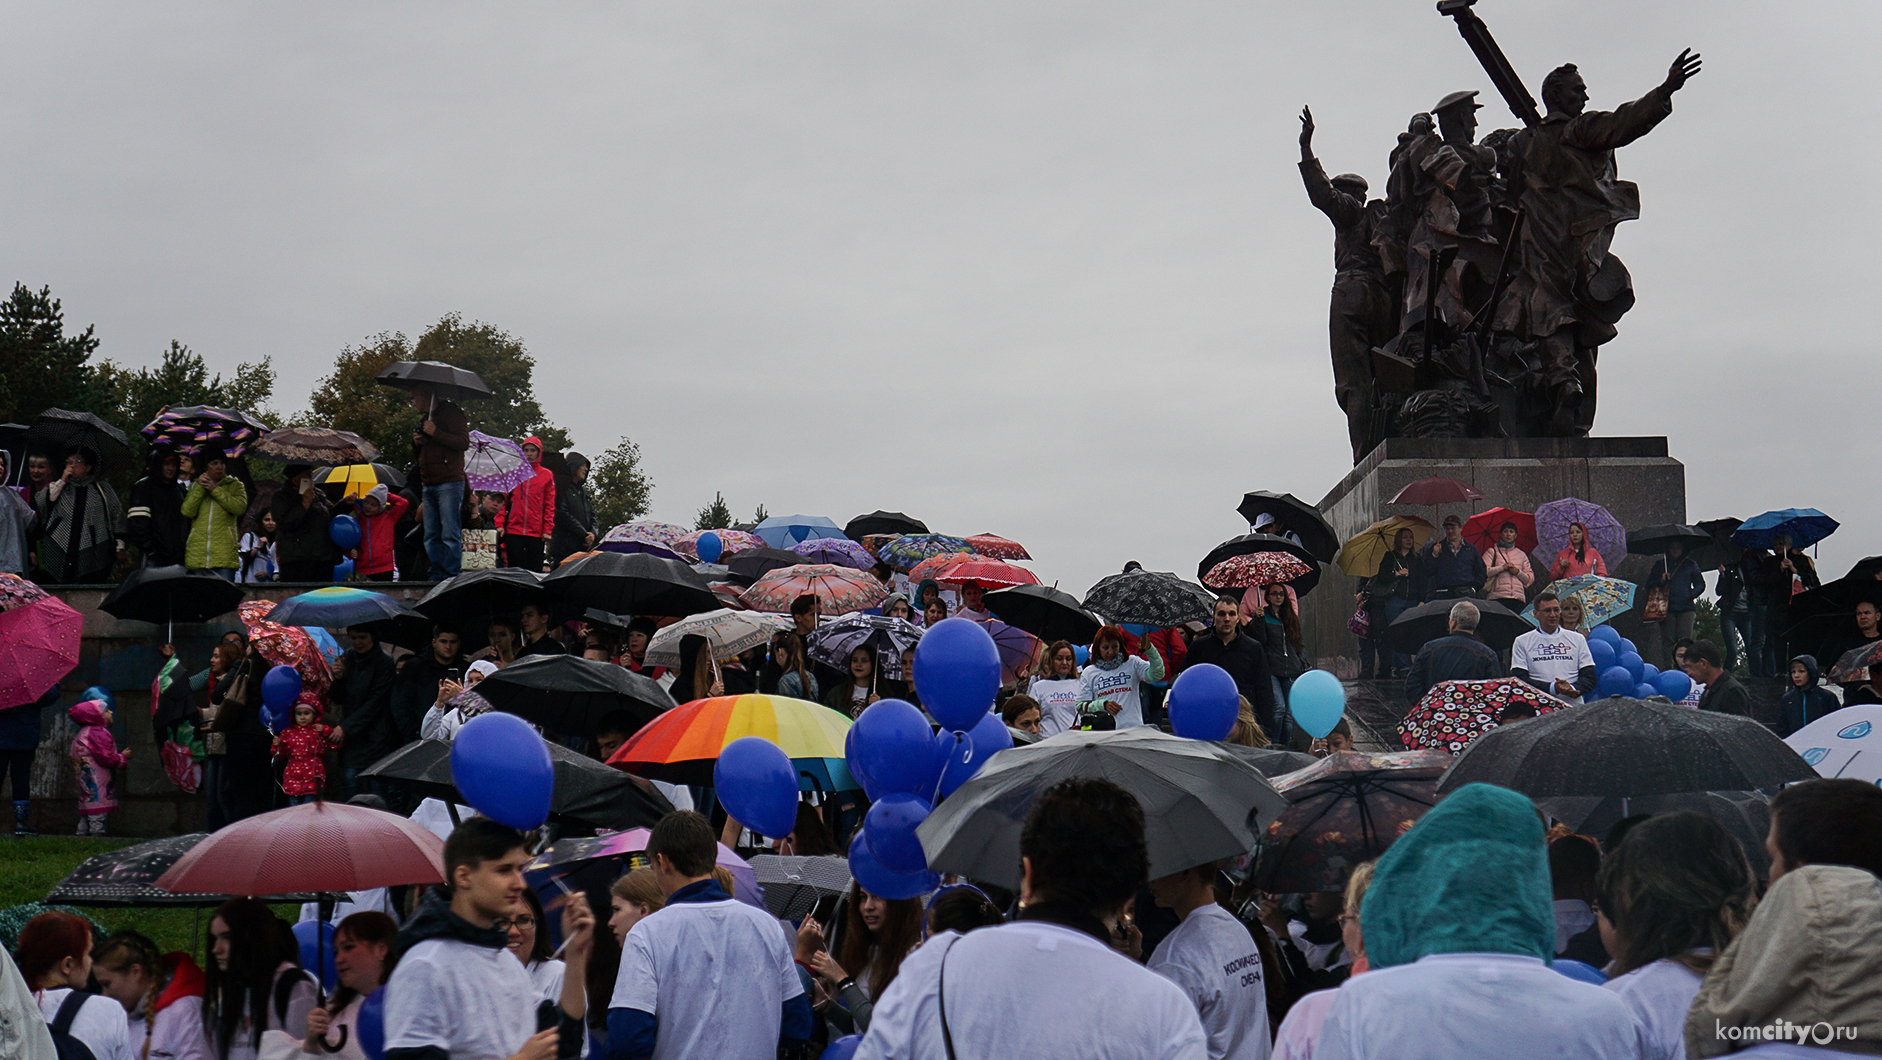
(1632, 477)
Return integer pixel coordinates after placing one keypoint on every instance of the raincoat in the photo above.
(530, 509)
(80, 522)
(96, 759)
(376, 541)
(215, 522)
(1804, 705)
(574, 514)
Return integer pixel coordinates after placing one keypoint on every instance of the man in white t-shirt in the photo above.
(1213, 958)
(1051, 985)
(708, 975)
(458, 992)
(1553, 659)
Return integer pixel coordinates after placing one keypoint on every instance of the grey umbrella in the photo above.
(447, 381)
(793, 885)
(1200, 803)
(587, 791)
(1270, 761)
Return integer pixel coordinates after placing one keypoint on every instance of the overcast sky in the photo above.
(1041, 269)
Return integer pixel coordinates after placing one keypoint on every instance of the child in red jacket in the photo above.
(303, 744)
(379, 512)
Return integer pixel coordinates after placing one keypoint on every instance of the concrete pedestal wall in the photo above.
(1632, 477)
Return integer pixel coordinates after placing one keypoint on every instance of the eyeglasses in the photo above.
(506, 923)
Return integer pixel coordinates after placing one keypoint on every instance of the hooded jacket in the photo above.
(530, 509)
(301, 532)
(215, 524)
(574, 514)
(94, 738)
(377, 544)
(1804, 705)
(1472, 876)
(154, 521)
(1810, 955)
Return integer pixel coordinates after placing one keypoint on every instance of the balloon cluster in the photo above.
(502, 768)
(280, 689)
(1624, 673)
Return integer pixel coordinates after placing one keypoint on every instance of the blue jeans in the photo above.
(444, 544)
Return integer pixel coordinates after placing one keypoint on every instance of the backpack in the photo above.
(64, 1045)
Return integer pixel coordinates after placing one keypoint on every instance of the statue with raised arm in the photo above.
(1362, 313)
(1568, 290)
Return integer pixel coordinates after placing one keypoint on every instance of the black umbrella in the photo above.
(881, 522)
(631, 584)
(1497, 625)
(569, 694)
(171, 594)
(479, 595)
(1249, 544)
(1270, 761)
(1628, 748)
(128, 876)
(1722, 549)
(1867, 567)
(1653, 540)
(1745, 814)
(1823, 618)
(1045, 612)
(586, 790)
(58, 430)
(1295, 514)
(447, 381)
(410, 630)
(1153, 598)
(794, 884)
(755, 563)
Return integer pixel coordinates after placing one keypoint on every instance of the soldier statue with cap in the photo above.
(1439, 195)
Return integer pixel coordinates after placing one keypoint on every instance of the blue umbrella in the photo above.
(783, 531)
(1806, 527)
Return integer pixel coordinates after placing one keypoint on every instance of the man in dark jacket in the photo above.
(1245, 659)
(439, 444)
(362, 699)
(303, 546)
(1453, 565)
(574, 514)
(1724, 693)
(1458, 656)
(415, 689)
(154, 521)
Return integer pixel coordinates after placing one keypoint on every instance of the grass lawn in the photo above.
(31, 867)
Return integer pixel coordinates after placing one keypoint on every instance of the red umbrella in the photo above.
(316, 846)
(998, 547)
(935, 566)
(988, 573)
(39, 638)
(1258, 568)
(285, 646)
(1484, 529)
(1435, 491)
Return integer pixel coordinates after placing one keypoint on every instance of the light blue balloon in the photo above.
(1318, 702)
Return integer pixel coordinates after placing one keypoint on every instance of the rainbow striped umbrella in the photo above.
(681, 745)
(337, 606)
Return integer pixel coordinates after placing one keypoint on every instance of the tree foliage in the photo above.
(714, 516)
(352, 399)
(129, 398)
(759, 515)
(619, 489)
(41, 366)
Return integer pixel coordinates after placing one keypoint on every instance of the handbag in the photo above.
(1659, 602)
(1361, 622)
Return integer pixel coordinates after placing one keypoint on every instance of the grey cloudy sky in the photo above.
(1037, 268)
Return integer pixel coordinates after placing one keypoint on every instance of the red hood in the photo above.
(186, 980)
(537, 442)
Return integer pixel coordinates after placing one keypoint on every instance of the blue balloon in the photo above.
(99, 694)
(957, 672)
(316, 940)
(1626, 646)
(1649, 674)
(988, 737)
(276, 721)
(709, 547)
(344, 531)
(891, 748)
(371, 1025)
(280, 687)
(502, 768)
(757, 784)
(1643, 690)
(1674, 685)
(1602, 651)
(1633, 664)
(843, 1048)
(343, 570)
(1615, 681)
(1081, 653)
(890, 828)
(873, 877)
(870, 790)
(1606, 633)
(1317, 701)
(1204, 703)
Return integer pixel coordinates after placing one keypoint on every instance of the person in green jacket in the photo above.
(214, 505)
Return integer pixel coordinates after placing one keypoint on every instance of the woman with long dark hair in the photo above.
(253, 983)
(529, 940)
(877, 934)
(362, 961)
(1580, 557)
(1055, 687)
(795, 680)
(855, 694)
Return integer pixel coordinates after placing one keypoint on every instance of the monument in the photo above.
(1470, 304)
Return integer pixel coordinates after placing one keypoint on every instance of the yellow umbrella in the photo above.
(1360, 556)
(357, 480)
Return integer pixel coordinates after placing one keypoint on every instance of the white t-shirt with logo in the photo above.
(1213, 958)
(1549, 657)
(1058, 703)
(1120, 686)
(714, 975)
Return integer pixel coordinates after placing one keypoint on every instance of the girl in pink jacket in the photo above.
(96, 759)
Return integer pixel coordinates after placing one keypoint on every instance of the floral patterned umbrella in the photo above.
(1157, 599)
(1258, 568)
(840, 589)
(987, 573)
(286, 645)
(1601, 598)
(730, 541)
(839, 551)
(935, 566)
(495, 464)
(906, 551)
(315, 445)
(192, 428)
(874, 542)
(649, 538)
(1346, 809)
(1605, 532)
(998, 547)
(1453, 713)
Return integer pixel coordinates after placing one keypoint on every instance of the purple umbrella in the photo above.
(1605, 532)
(840, 551)
(634, 537)
(495, 465)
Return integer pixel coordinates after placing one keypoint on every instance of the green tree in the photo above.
(40, 365)
(129, 398)
(714, 516)
(619, 488)
(759, 515)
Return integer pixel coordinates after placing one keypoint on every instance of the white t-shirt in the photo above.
(100, 1023)
(1300, 1029)
(301, 1001)
(1572, 917)
(1552, 656)
(177, 1033)
(1215, 961)
(1033, 990)
(1476, 1006)
(1058, 703)
(1120, 686)
(1660, 994)
(714, 975)
(473, 1002)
